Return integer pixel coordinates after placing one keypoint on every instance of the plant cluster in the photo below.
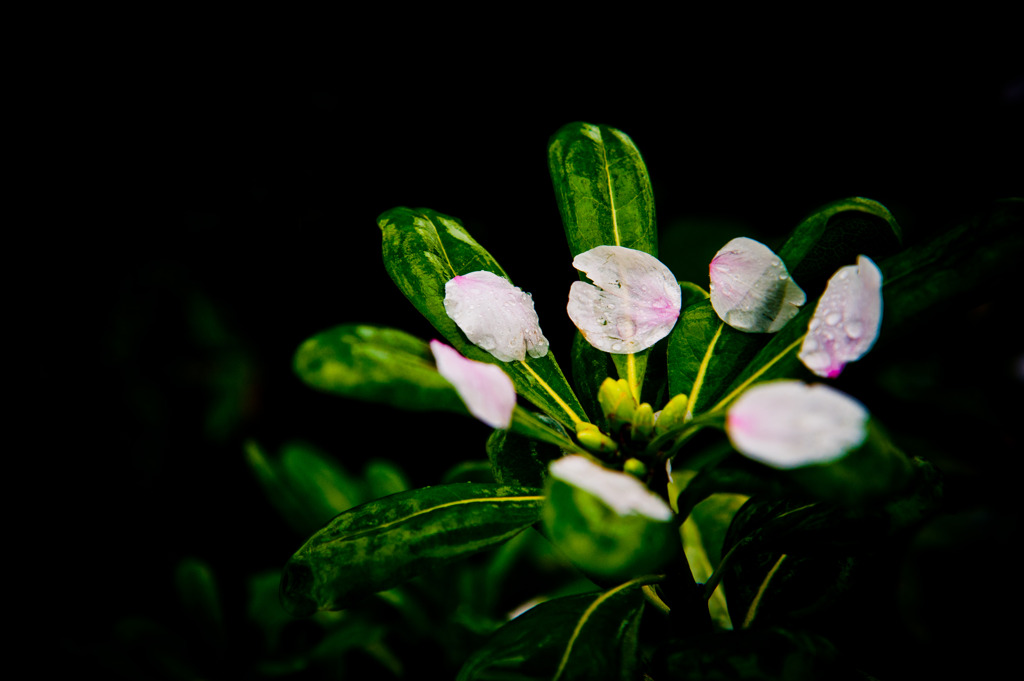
(715, 489)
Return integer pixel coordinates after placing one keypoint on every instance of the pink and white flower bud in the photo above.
(495, 315)
(751, 290)
(846, 321)
(485, 389)
(633, 303)
(788, 424)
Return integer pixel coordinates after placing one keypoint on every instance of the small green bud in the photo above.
(636, 468)
(672, 415)
(593, 439)
(617, 402)
(643, 422)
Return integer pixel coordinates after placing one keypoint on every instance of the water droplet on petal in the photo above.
(616, 346)
(854, 330)
(833, 319)
(783, 277)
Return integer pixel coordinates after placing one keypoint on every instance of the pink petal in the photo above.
(495, 315)
(846, 322)
(788, 424)
(621, 492)
(633, 303)
(484, 388)
(751, 290)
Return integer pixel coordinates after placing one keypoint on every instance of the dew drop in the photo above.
(815, 323)
(616, 346)
(783, 277)
(833, 318)
(845, 274)
(854, 330)
(810, 345)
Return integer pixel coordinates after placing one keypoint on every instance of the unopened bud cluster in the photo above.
(630, 426)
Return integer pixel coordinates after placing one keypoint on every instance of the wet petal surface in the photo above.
(846, 321)
(633, 303)
(485, 389)
(495, 315)
(621, 492)
(751, 290)
(788, 424)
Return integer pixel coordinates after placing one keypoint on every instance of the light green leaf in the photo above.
(597, 539)
(423, 250)
(378, 365)
(306, 487)
(382, 543)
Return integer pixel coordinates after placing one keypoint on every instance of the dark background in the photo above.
(223, 213)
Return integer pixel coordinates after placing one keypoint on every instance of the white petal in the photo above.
(751, 290)
(846, 322)
(484, 388)
(787, 424)
(623, 493)
(495, 315)
(633, 303)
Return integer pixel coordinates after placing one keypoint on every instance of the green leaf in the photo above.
(382, 543)
(762, 655)
(378, 365)
(833, 236)
(705, 354)
(590, 367)
(586, 636)
(976, 260)
(599, 540)
(198, 594)
(423, 250)
(980, 252)
(518, 460)
(704, 534)
(602, 187)
(306, 487)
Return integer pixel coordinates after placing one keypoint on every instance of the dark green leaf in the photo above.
(197, 593)
(603, 191)
(981, 251)
(762, 655)
(833, 236)
(586, 636)
(976, 260)
(382, 543)
(590, 367)
(518, 460)
(423, 250)
(378, 365)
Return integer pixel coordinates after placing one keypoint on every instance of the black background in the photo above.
(247, 190)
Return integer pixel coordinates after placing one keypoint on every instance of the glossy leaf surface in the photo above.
(382, 543)
(378, 365)
(604, 541)
(423, 250)
(602, 187)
